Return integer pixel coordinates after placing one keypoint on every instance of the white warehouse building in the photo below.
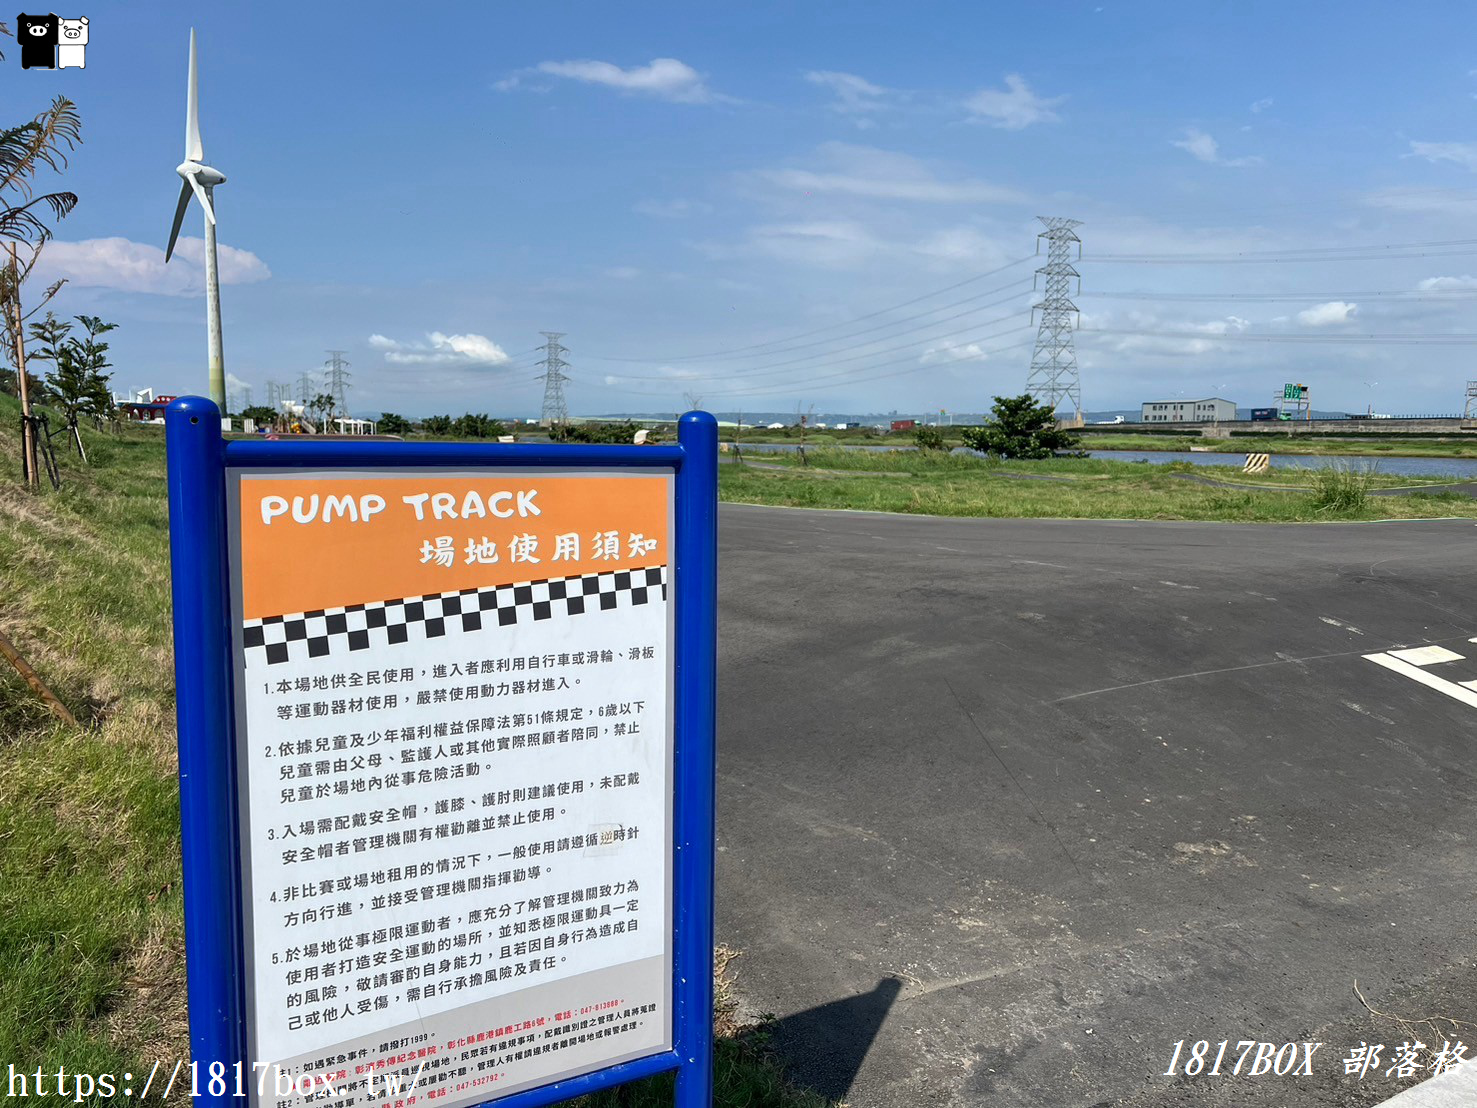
(1189, 411)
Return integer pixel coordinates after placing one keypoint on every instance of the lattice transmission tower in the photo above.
(338, 381)
(556, 412)
(1053, 376)
(1469, 414)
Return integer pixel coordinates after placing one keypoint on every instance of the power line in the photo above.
(829, 357)
(1337, 339)
(827, 327)
(808, 385)
(809, 382)
(1279, 297)
(1449, 247)
(879, 327)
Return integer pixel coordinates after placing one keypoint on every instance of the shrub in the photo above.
(928, 438)
(1342, 489)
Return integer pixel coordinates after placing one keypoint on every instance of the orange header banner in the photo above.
(309, 543)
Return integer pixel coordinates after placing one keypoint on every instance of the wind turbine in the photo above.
(200, 180)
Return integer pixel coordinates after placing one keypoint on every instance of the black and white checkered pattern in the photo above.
(277, 639)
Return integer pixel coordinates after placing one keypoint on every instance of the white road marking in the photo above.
(1415, 673)
(1177, 585)
(1336, 623)
(1426, 655)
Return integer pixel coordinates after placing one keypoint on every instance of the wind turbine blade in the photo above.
(204, 199)
(179, 217)
(194, 152)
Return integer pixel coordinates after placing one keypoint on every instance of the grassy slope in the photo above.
(91, 925)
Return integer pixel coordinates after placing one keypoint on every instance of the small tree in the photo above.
(1020, 427)
(478, 426)
(25, 225)
(259, 414)
(76, 383)
(436, 425)
(392, 424)
(323, 405)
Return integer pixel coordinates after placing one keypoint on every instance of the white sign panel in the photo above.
(454, 719)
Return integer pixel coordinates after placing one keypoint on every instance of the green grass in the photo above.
(934, 483)
(1371, 443)
(91, 925)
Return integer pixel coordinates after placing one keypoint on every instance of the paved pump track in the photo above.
(1008, 807)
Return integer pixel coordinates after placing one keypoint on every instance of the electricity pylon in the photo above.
(555, 412)
(1053, 376)
(338, 381)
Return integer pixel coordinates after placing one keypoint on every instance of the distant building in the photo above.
(1189, 411)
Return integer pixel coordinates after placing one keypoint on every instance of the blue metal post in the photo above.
(696, 599)
(202, 668)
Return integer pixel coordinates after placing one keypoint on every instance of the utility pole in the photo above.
(556, 412)
(28, 425)
(1053, 376)
(338, 380)
(803, 418)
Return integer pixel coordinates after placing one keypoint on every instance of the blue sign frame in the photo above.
(198, 455)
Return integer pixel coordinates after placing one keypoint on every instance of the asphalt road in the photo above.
(1008, 807)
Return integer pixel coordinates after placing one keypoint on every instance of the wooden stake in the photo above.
(28, 429)
(12, 655)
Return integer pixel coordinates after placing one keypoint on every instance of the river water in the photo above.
(1462, 468)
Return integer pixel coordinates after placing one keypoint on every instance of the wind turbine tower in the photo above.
(555, 410)
(200, 180)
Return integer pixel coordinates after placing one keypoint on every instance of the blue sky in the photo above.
(688, 186)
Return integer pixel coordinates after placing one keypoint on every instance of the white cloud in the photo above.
(1203, 147)
(1015, 107)
(1262, 105)
(853, 96)
(1323, 315)
(1449, 202)
(1177, 338)
(623, 272)
(119, 263)
(866, 171)
(966, 245)
(1437, 284)
(673, 209)
(441, 349)
(1463, 154)
(832, 244)
(954, 352)
(663, 78)
(671, 373)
